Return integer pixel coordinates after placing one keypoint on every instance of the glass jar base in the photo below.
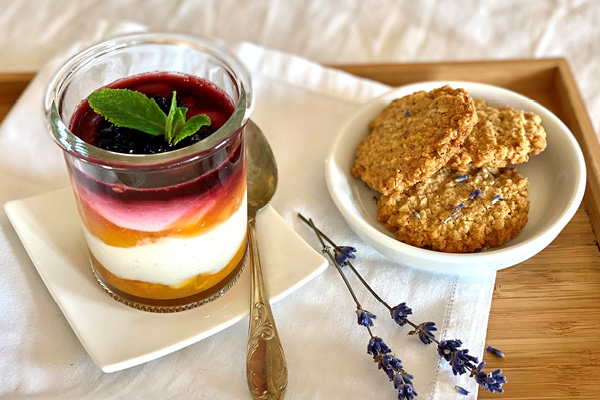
(173, 305)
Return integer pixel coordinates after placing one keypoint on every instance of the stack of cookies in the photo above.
(439, 161)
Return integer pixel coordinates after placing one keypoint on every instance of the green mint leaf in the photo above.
(129, 109)
(169, 127)
(191, 126)
(178, 121)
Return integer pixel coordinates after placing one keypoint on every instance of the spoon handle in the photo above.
(266, 369)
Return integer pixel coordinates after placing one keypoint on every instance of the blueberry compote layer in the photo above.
(173, 230)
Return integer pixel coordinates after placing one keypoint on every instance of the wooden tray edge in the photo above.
(582, 129)
(540, 62)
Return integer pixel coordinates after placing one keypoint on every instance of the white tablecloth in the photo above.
(39, 354)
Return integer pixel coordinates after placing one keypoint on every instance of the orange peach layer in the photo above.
(188, 287)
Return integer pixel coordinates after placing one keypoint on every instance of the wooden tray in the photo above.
(546, 311)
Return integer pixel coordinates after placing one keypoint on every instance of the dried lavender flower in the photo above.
(447, 347)
(389, 364)
(461, 361)
(425, 331)
(392, 366)
(406, 391)
(496, 199)
(343, 254)
(400, 313)
(455, 212)
(365, 318)
(475, 193)
(405, 377)
(416, 214)
(492, 381)
(461, 390)
(377, 346)
(461, 179)
(398, 381)
(381, 364)
(406, 113)
(392, 362)
(495, 352)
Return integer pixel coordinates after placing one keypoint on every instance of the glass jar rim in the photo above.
(72, 144)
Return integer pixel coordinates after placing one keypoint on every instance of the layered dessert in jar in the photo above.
(164, 216)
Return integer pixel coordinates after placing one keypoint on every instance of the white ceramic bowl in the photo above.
(556, 186)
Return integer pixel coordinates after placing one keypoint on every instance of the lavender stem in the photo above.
(327, 251)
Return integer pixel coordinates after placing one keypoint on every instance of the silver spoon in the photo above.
(266, 369)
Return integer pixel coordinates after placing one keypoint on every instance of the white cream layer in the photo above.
(170, 261)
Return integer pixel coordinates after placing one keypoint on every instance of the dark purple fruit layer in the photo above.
(198, 95)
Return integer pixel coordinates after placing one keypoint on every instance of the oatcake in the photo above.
(448, 213)
(413, 137)
(501, 136)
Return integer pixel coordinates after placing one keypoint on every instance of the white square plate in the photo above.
(117, 336)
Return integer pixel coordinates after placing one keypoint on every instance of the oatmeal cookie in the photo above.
(458, 212)
(413, 137)
(501, 136)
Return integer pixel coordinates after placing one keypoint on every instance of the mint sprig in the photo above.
(130, 109)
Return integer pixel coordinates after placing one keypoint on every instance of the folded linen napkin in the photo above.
(299, 105)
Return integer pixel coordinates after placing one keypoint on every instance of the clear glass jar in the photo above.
(166, 232)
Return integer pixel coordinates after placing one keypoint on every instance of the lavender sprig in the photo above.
(391, 365)
(459, 359)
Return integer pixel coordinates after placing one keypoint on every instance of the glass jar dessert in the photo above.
(164, 217)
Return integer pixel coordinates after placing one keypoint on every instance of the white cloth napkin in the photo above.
(299, 106)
